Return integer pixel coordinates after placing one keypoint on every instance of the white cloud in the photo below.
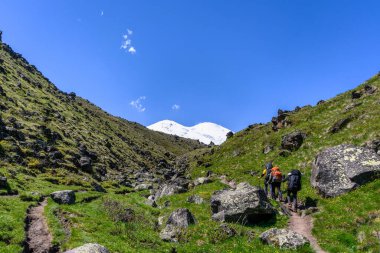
(101, 13)
(127, 43)
(138, 105)
(132, 50)
(176, 107)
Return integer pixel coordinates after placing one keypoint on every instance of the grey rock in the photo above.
(283, 238)
(352, 106)
(244, 204)
(219, 216)
(342, 168)
(89, 248)
(202, 180)
(195, 199)
(142, 187)
(181, 217)
(170, 188)
(171, 233)
(177, 222)
(267, 149)
(63, 197)
(293, 141)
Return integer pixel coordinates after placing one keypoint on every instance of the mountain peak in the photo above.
(205, 132)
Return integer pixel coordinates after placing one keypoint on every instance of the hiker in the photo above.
(275, 180)
(294, 186)
(266, 173)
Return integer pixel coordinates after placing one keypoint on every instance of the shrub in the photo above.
(117, 212)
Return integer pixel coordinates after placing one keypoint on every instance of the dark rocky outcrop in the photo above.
(293, 141)
(244, 204)
(356, 94)
(320, 102)
(342, 168)
(63, 197)
(339, 125)
(281, 120)
(178, 220)
(283, 238)
(3, 182)
(89, 248)
(229, 134)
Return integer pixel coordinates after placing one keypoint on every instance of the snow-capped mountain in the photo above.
(206, 132)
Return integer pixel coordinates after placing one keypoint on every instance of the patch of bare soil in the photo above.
(38, 237)
(303, 226)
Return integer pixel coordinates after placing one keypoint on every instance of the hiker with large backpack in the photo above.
(275, 180)
(294, 186)
(266, 174)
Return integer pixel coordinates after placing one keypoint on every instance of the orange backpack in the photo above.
(276, 175)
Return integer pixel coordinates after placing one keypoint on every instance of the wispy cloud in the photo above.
(126, 45)
(101, 13)
(176, 107)
(138, 104)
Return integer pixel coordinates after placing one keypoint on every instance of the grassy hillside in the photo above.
(47, 127)
(347, 223)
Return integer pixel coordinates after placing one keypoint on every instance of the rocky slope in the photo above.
(42, 127)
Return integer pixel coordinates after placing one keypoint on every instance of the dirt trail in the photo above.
(38, 237)
(303, 226)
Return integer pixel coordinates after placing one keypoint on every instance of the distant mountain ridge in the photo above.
(205, 132)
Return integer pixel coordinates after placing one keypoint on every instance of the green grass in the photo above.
(12, 215)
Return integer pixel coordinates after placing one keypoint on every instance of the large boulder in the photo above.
(293, 141)
(342, 168)
(244, 204)
(63, 197)
(178, 221)
(283, 238)
(89, 248)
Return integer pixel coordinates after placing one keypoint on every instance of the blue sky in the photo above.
(229, 62)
